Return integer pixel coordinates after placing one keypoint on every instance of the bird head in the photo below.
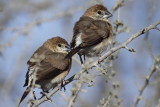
(58, 44)
(98, 12)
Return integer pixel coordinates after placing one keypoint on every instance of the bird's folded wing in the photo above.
(45, 56)
(36, 58)
(47, 64)
(53, 65)
(38, 55)
(91, 31)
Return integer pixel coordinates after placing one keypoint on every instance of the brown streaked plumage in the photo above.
(48, 66)
(92, 33)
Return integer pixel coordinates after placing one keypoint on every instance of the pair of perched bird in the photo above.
(51, 63)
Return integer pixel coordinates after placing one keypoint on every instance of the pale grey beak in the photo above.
(107, 15)
(67, 48)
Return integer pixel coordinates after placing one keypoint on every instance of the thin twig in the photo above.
(75, 92)
(147, 79)
(107, 101)
(119, 4)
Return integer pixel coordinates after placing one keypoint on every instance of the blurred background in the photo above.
(26, 24)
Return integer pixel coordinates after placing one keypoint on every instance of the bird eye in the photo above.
(59, 45)
(99, 12)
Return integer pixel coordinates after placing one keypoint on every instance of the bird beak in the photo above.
(107, 15)
(67, 48)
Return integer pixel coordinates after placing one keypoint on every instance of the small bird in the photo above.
(48, 66)
(92, 33)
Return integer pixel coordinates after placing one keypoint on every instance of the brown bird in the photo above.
(92, 33)
(48, 66)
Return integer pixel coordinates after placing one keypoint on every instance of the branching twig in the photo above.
(128, 41)
(107, 101)
(114, 49)
(75, 92)
(147, 79)
(118, 5)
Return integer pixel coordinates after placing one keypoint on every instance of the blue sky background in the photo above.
(130, 68)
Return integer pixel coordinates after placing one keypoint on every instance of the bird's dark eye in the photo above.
(99, 12)
(59, 45)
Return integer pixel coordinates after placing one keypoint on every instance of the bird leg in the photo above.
(44, 93)
(33, 92)
(84, 57)
(62, 85)
(80, 57)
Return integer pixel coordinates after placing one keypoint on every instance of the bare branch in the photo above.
(75, 92)
(127, 41)
(119, 4)
(129, 49)
(102, 58)
(157, 28)
(147, 79)
(107, 101)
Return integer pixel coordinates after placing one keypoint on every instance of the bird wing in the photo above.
(47, 64)
(36, 58)
(53, 65)
(91, 31)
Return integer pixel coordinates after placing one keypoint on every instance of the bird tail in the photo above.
(24, 95)
(72, 52)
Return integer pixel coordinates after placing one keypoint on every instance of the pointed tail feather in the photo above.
(24, 95)
(72, 52)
